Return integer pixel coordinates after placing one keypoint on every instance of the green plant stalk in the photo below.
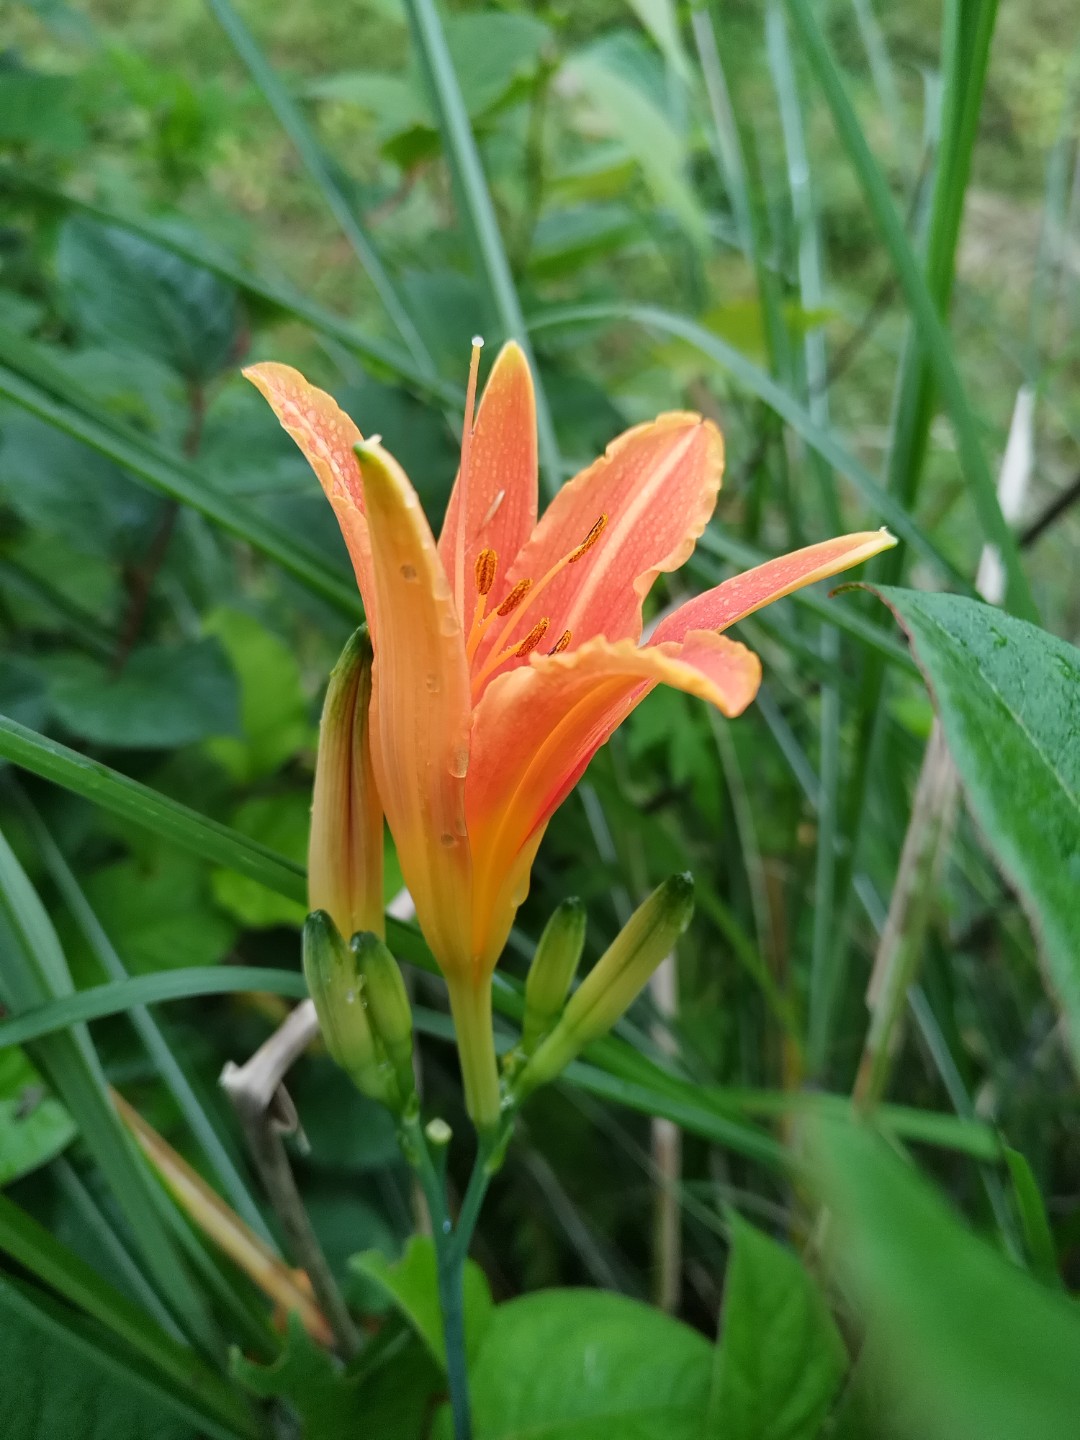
(477, 209)
(919, 294)
(292, 121)
(452, 1248)
(965, 69)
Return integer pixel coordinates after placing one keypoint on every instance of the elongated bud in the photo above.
(335, 985)
(552, 970)
(345, 852)
(388, 1010)
(614, 982)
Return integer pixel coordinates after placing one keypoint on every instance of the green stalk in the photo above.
(918, 288)
(477, 210)
(452, 1246)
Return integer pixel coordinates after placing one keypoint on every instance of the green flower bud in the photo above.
(554, 963)
(388, 1009)
(345, 852)
(614, 982)
(336, 986)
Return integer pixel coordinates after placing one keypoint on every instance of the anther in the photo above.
(514, 599)
(487, 563)
(532, 640)
(562, 642)
(589, 541)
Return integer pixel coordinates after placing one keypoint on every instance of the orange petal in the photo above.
(326, 436)
(500, 488)
(657, 485)
(420, 709)
(537, 727)
(745, 593)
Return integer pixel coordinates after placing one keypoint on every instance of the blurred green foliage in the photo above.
(173, 592)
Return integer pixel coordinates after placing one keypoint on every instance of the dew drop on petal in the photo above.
(432, 683)
(447, 839)
(408, 572)
(459, 762)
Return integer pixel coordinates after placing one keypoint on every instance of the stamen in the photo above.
(532, 640)
(514, 599)
(562, 642)
(589, 541)
(463, 472)
(487, 563)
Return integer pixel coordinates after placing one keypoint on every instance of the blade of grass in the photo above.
(291, 119)
(131, 800)
(755, 380)
(31, 1246)
(477, 210)
(165, 1063)
(919, 293)
(171, 477)
(83, 1341)
(35, 972)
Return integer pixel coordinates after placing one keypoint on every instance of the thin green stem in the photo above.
(452, 1244)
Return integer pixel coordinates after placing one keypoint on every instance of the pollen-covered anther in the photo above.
(487, 564)
(589, 541)
(562, 642)
(514, 599)
(532, 640)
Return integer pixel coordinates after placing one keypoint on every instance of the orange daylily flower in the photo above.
(508, 653)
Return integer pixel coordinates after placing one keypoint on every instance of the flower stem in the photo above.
(470, 1006)
(452, 1248)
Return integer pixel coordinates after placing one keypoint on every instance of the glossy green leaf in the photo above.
(156, 909)
(779, 1358)
(274, 712)
(164, 696)
(972, 1347)
(410, 1284)
(1008, 695)
(124, 291)
(323, 1397)
(585, 1364)
(34, 1126)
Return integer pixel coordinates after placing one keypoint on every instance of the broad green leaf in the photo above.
(320, 1392)
(22, 690)
(157, 911)
(974, 1348)
(126, 292)
(280, 822)
(411, 1286)
(274, 712)
(1008, 695)
(165, 695)
(564, 240)
(779, 1358)
(59, 486)
(34, 1127)
(584, 1365)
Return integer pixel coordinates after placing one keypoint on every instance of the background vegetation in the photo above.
(851, 235)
